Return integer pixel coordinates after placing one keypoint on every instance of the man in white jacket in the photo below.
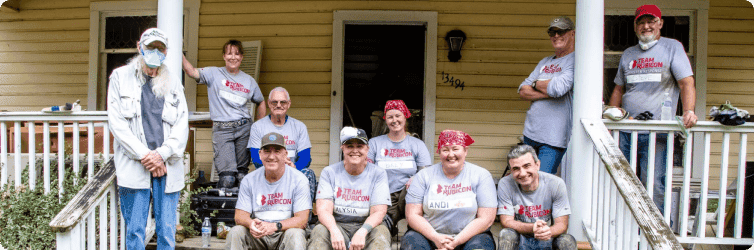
(148, 117)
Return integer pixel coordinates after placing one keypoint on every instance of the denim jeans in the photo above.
(642, 156)
(549, 156)
(134, 204)
(512, 240)
(413, 240)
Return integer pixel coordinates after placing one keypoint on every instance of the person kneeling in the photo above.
(273, 203)
(533, 206)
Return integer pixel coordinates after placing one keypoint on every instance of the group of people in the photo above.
(448, 205)
(359, 201)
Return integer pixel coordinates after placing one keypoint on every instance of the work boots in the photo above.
(227, 180)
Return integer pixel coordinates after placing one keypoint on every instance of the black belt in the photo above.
(232, 124)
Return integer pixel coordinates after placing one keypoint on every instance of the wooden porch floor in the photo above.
(195, 243)
(219, 244)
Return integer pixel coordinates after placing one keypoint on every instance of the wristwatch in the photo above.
(534, 85)
(280, 226)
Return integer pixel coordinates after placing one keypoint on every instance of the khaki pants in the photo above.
(378, 239)
(240, 238)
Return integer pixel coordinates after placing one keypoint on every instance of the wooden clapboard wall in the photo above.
(44, 59)
(730, 73)
(44, 55)
(505, 42)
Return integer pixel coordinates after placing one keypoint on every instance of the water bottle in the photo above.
(206, 231)
(667, 113)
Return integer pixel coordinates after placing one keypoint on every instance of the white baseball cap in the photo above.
(153, 34)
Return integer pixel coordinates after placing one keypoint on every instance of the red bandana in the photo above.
(453, 137)
(397, 105)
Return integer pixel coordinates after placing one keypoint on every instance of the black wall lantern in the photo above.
(455, 40)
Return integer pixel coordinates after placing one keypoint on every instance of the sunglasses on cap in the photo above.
(559, 32)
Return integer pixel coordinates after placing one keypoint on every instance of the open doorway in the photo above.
(380, 63)
(369, 68)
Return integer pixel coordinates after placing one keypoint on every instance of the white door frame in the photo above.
(340, 19)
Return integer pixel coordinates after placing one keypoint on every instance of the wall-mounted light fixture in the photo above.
(455, 39)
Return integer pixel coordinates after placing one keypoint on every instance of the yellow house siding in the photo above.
(500, 51)
(730, 73)
(43, 54)
(505, 42)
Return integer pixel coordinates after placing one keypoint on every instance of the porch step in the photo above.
(195, 243)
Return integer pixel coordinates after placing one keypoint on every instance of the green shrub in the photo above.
(189, 217)
(26, 213)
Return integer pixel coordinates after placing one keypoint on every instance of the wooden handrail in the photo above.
(85, 199)
(658, 233)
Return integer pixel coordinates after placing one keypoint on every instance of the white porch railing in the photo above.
(611, 223)
(82, 234)
(51, 123)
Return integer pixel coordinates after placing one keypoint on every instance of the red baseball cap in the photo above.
(648, 9)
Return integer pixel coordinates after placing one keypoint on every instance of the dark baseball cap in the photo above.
(562, 22)
(348, 133)
(273, 139)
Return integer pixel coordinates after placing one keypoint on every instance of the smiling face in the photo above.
(647, 28)
(278, 103)
(354, 152)
(273, 157)
(453, 156)
(525, 171)
(562, 39)
(232, 57)
(395, 120)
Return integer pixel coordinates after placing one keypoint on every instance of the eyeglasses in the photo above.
(559, 32)
(275, 103)
(650, 22)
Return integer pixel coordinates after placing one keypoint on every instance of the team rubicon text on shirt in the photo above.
(452, 189)
(550, 69)
(236, 86)
(272, 199)
(642, 63)
(396, 152)
(348, 194)
(532, 211)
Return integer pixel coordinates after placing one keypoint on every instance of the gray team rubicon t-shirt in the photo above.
(294, 131)
(277, 201)
(647, 74)
(353, 196)
(451, 204)
(399, 159)
(548, 120)
(547, 202)
(228, 93)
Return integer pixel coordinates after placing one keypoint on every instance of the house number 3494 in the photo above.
(455, 82)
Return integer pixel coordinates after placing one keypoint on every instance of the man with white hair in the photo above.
(148, 117)
(649, 72)
(294, 131)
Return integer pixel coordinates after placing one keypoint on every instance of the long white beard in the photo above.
(160, 83)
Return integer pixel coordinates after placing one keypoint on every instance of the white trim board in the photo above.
(100, 10)
(340, 18)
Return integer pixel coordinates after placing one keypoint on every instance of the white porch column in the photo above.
(170, 20)
(587, 100)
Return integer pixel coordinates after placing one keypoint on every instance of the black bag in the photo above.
(206, 202)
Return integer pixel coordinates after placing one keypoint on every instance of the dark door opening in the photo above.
(381, 63)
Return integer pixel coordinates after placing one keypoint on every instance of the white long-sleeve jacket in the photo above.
(125, 122)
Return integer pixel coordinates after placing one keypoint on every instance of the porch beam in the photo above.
(170, 20)
(587, 100)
